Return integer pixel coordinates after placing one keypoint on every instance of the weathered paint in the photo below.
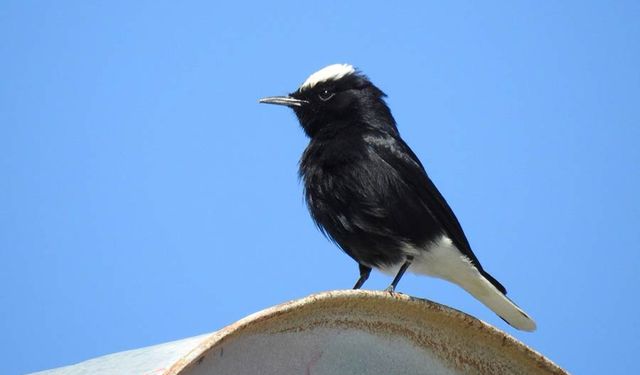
(348, 332)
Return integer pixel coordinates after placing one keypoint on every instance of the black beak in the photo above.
(283, 100)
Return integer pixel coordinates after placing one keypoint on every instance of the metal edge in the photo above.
(443, 312)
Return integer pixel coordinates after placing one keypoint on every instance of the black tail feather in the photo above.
(495, 282)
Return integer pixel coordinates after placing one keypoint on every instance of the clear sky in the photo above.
(145, 195)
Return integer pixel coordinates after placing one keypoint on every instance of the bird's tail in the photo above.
(445, 261)
(487, 293)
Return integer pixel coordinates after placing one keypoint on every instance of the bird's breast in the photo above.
(343, 206)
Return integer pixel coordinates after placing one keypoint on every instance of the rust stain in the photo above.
(445, 332)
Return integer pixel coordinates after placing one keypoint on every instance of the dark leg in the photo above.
(401, 272)
(364, 275)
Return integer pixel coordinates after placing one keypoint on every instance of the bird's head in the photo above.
(337, 96)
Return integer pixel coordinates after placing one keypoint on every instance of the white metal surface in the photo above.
(151, 360)
(336, 333)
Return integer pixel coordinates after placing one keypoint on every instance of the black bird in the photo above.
(368, 192)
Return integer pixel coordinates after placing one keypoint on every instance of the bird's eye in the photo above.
(325, 95)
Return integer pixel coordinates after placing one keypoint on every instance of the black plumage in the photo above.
(368, 192)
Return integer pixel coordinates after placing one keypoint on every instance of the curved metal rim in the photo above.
(455, 317)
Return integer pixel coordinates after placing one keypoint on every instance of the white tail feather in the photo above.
(445, 261)
(489, 295)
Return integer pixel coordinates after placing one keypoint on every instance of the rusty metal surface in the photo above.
(336, 333)
(355, 332)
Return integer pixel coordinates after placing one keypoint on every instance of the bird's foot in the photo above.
(390, 289)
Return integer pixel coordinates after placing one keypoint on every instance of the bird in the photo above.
(368, 192)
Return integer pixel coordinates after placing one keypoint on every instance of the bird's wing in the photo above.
(401, 159)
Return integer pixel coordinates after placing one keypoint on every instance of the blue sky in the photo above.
(145, 195)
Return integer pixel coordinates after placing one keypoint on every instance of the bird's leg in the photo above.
(401, 272)
(364, 275)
